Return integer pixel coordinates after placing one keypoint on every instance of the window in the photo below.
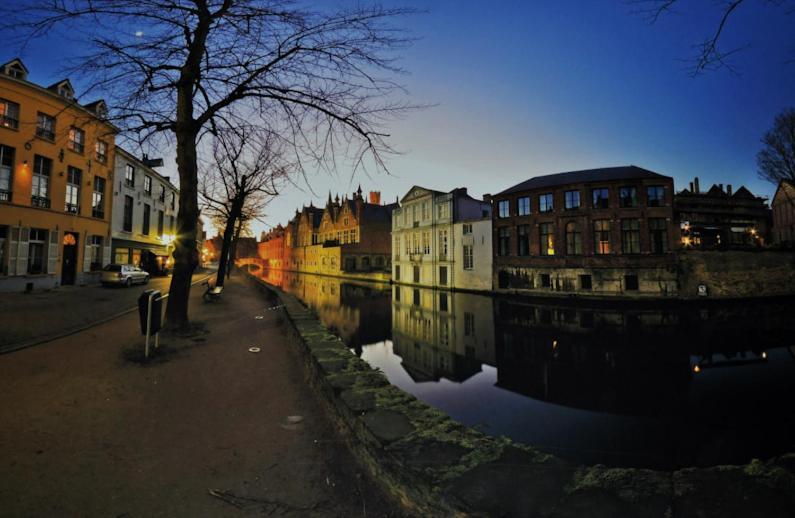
(601, 236)
(658, 235)
(36, 247)
(6, 172)
(573, 238)
(424, 210)
(523, 206)
(416, 274)
(173, 200)
(128, 214)
(585, 282)
(77, 140)
(416, 296)
(101, 148)
(95, 244)
(129, 175)
(504, 209)
(545, 203)
(631, 282)
(45, 126)
(503, 241)
(572, 200)
(655, 196)
(40, 191)
(171, 224)
(630, 236)
(408, 245)
(546, 240)
(147, 215)
(600, 197)
(443, 305)
(396, 246)
(469, 324)
(444, 210)
(160, 220)
(628, 197)
(443, 245)
(98, 198)
(469, 258)
(73, 179)
(148, 185)
(546, 281)
(443, 275)
(523, 240)
(426, 243)
(467, 229)
(9, 114)
(397, 278)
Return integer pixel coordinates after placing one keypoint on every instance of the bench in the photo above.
(212, 293)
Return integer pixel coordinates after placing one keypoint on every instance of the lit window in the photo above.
(601, 236)
(73, 178)
(9, 114)
(77, 140)
(101, 149)
(546, 232)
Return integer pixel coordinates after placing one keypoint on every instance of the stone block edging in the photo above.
(436, 466)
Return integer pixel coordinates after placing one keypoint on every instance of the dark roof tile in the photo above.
(630, 172)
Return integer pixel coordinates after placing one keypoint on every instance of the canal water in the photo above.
(621, 386)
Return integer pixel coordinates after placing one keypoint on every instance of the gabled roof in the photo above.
(604, 174)
(417, 191)
(16, 61)
(97, 106)
(742, 192)
(783, 186)
(717, 191)
(63, 82)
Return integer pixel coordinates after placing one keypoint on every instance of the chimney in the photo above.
(691, 187)
(695, 186)
(487, 198)
(720, 186)
(375, 197)
(729, 189)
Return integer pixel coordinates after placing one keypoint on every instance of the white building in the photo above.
(442, 240)
(145, 206)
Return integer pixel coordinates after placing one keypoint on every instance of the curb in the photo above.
(61, 334)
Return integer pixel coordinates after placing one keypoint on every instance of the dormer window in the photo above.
(101, 109)
(62, 91)
(15, 69)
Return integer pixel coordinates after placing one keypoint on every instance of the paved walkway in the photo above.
(87, 429)
(31, 317)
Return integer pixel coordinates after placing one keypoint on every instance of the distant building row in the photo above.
(603, 231)
(71, 201)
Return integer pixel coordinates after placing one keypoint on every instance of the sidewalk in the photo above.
(86, 431)
(27, 318)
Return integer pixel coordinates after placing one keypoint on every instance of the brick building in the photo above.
(721, 218)
(783, 205)
(603, 231)
(347, 236)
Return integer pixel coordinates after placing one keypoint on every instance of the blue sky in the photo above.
(528, 88)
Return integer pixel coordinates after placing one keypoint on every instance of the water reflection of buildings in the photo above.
(357, 312)
(441, 334)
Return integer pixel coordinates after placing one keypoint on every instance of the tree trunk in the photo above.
(233, 250)
(226, 247)
(186, 256)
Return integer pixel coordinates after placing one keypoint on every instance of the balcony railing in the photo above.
(99, 213)
(129, 182)
(40, 201)
(45, 134)
(72, 208)
(5, 195)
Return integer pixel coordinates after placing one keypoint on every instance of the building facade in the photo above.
(56, 174)
(442, 240)
(595, 232)
(783, 206)
(145, 206)
(348, 237)
(721, 219)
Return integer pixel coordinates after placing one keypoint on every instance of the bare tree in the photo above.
(776, 160)
(709, 54)
(177, 69)
(242, 178)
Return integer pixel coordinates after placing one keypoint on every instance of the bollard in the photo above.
(150, 310)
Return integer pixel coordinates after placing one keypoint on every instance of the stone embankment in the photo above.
(438, 467)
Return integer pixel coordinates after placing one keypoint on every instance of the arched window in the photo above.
(573, 239)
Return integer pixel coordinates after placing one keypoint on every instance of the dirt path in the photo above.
(86, 431)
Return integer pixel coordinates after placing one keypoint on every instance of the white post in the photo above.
(148, 324)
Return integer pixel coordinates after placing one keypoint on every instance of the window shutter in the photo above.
(22, 255)
(52, 252)
(87, 254)
(13, 251)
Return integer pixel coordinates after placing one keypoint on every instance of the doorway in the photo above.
(69, 264)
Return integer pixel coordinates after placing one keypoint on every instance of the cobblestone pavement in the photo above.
(206, 428)
(32, 317)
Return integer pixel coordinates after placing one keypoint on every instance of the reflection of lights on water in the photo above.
(554, 344)
(764, 354)
(696, 368)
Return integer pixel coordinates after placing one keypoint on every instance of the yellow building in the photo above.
(56, 181)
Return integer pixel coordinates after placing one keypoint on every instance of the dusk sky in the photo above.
(528, 88)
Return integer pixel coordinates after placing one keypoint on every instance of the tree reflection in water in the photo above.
(625, 386)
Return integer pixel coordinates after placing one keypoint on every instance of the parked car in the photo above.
(125, 274)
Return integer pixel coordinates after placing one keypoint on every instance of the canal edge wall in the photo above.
(436, 466)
